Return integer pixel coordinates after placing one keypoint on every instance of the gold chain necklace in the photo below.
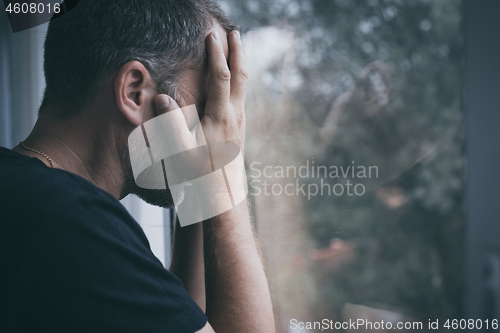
(38, 152)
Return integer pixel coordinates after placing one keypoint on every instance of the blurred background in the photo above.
(373, 85)
(364, 83)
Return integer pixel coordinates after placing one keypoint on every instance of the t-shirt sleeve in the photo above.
(88, 268)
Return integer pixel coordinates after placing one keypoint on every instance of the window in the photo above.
(355, 156)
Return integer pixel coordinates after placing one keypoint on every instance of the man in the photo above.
(73, 259)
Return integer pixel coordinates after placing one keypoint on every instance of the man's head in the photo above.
(115, 56)
(96, 38)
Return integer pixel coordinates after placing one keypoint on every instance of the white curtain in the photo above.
(21, 80)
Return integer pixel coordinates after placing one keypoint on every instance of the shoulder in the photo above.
(35, 196)
(23, 176)
(83, 256)
(47, 188)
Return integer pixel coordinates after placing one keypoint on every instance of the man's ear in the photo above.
(134, 92)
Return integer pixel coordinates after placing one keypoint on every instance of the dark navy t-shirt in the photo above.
(73, 260)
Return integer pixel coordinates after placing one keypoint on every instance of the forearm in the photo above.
(187, 261)
(238, 298)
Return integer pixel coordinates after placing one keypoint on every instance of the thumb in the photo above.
(164, 104)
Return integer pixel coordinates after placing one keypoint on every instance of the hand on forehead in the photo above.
(223, 38)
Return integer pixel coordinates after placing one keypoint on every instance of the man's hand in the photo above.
(224, 119)
(224, 113)
(237, 294)
(207, 153)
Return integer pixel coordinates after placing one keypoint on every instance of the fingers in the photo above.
(174, 124)
(237, 63)
(219, 84)
(164, 104)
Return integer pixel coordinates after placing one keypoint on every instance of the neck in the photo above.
(82, 147)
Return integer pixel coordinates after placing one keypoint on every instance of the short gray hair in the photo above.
(95, 38)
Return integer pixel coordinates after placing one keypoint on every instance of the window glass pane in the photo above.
(354, 150)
